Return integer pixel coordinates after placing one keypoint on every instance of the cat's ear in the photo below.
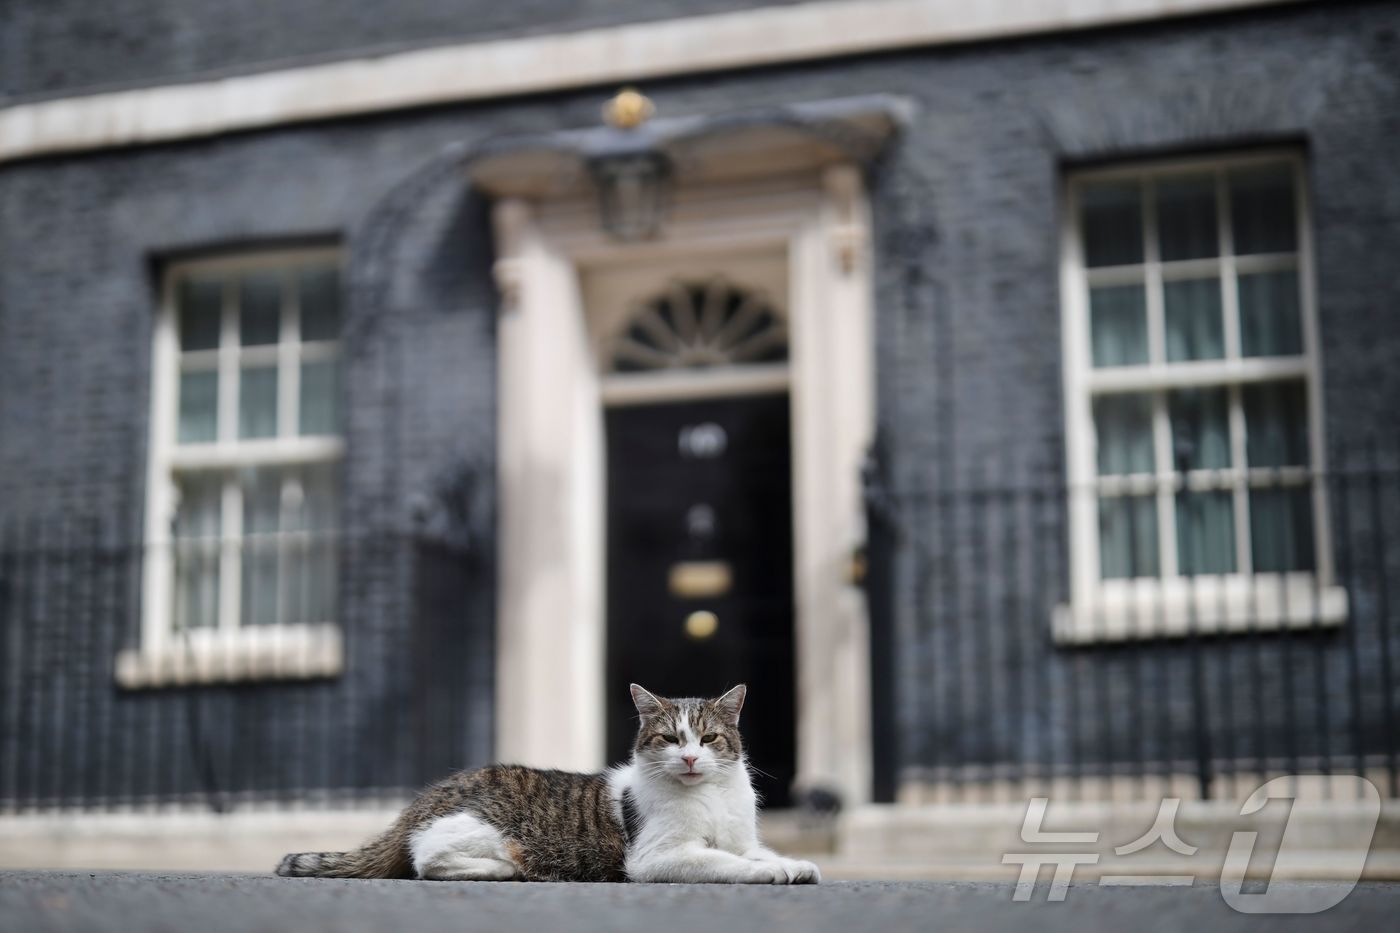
(647, 704)
(731, 703)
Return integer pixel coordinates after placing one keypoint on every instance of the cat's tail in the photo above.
(384, 857)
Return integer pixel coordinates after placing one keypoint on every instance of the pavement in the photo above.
(130, 902)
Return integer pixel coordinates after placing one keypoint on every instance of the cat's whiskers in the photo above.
(652, 769)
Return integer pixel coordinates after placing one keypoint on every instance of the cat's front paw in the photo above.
(767, 872)
(800, 872)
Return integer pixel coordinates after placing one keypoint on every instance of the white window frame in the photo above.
(228, 651)
(1170, 604)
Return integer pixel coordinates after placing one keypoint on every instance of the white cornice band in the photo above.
(505, 67)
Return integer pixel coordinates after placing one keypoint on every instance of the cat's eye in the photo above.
(708, 737)
(670, 740)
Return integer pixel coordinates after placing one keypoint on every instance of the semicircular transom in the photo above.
(699, 324)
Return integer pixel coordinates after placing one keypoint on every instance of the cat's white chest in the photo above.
(716, 816)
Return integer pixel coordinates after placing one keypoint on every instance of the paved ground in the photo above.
(49, 902)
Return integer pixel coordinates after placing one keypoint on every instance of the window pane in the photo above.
(1276, 424)
(319, 392)
(196, 552)
(1205, 532)
(1127, 537)
(1200, 428)
(1118, 325)
(199, 510)
(257, 402)
(289, 552)
(1281, 529)
(201, 303)
(313, 575)
(317, 508)
(1123, 424)
(262, 496)
(259, 308)
(1261, 210)
(262, 511)
(1187, 226)
(1112, 219)
(1194, 328)
(199, 407)
(1269, 320)
(289, 565)
(320, 303)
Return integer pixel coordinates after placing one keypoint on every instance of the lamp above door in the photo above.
(632, 164)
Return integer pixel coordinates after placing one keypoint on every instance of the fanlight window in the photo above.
(700, 324)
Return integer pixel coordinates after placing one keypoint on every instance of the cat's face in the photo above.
(690, 741)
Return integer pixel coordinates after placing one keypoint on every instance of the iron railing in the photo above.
(365, 670)
(985, 674)
(1000, 681)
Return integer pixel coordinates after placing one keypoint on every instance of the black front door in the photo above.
(700, 567)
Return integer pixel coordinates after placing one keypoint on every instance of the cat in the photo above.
(683, 809)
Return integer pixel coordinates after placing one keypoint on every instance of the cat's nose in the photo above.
(689, 761)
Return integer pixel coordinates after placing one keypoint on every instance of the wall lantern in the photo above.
(633, 177)
(635, 163)
(633, 192)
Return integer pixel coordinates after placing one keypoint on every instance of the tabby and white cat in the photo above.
(683, 809)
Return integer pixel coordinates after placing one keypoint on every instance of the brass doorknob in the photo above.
(701, 624)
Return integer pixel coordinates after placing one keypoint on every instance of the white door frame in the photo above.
(551, 639)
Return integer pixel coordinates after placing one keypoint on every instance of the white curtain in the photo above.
(319, 390)
(1205, 520)
(1193, 322)
(257, 402)
(1205, 532)
(1127, 524)
(1276, 431)
(199, 407)
(1276, 424)
(197, 544)
(1200, 420)
(1280, 525)
(1118, 325)
(1269, 321)
(1123, 427)
(1127, 537)
(262, 545)
(289, 555)
(317, 580)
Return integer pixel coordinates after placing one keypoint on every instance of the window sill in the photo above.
(292, 652)
(1130, 611)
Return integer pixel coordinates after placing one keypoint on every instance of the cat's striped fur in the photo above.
(682, 809)
(560, 826)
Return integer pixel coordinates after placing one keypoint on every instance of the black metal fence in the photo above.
(284, 667)
(986, 672)
(1002, 678)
